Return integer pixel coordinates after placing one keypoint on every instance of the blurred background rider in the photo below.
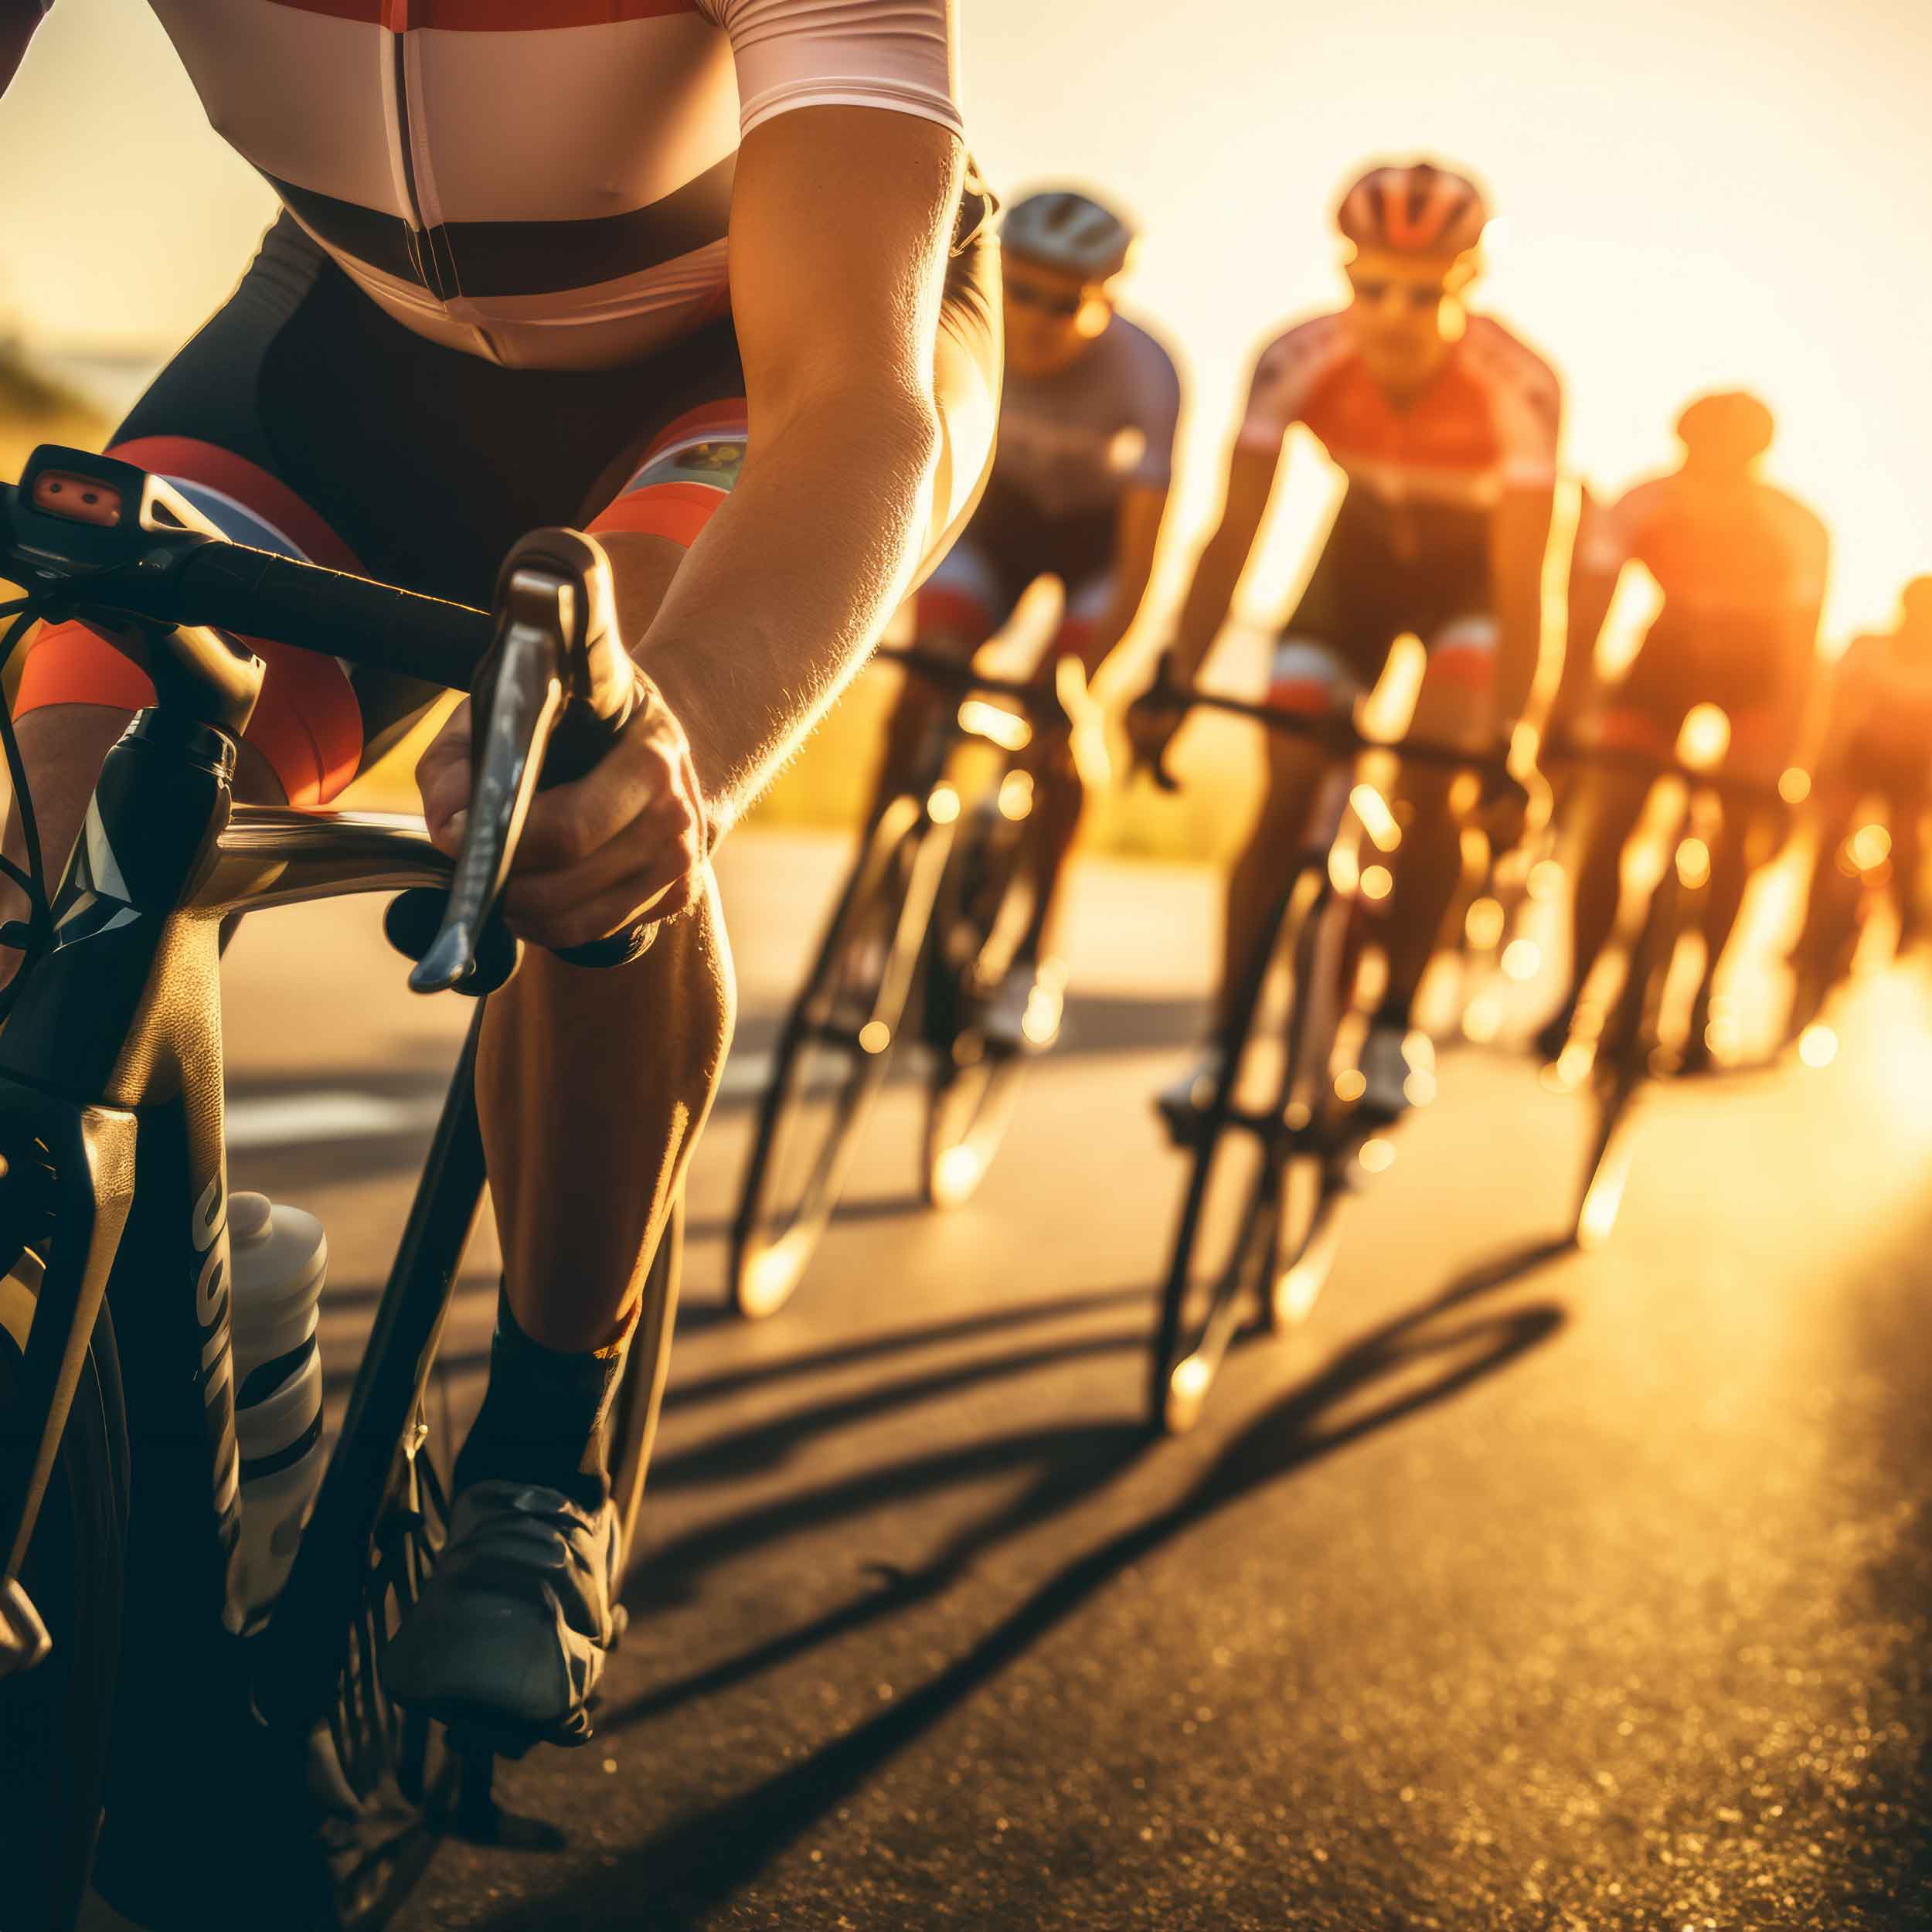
(1445, 427)
(1079, 487)
(1741, 567)
(1877, 747)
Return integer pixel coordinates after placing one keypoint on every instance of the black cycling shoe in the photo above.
(507, 1640)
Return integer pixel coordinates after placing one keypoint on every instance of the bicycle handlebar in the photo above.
(90, 536)
(1334, 734)
(957, 675)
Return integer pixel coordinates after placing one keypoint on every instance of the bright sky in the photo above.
(1732, 194)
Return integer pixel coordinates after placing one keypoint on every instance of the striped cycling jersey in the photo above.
(1486, 422)
(545, 183)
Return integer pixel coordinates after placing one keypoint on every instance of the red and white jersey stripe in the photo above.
(547, 183)
(1488, 421)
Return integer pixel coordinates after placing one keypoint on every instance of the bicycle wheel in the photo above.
(1226, 1245)
(55, 1718)
(1623, 1067)
(1312, 1186)
(832, 1056)
(985, 904)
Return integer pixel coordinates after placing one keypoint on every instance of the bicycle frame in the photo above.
(113, 1064)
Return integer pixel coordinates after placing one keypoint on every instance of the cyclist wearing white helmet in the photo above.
(1445, 427)
(1079, 489)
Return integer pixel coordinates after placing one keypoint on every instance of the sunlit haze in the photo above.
(1732, 196)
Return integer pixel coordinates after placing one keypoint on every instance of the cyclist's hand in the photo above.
(623, 846)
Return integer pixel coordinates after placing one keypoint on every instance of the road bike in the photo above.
(254, 1770)
(1642, 1037)
(927, 926)
(1277, 1134)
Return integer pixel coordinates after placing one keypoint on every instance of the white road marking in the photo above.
(320, 1115)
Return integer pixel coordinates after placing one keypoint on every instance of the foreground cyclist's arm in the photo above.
(18, 20)
(840, 226)
(840, 222)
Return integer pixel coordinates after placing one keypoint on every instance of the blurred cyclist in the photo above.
(1079, 488)
(1877, 742)
(1445, 427)
(1741, 567)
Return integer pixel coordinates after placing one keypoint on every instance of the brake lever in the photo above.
(519, 695)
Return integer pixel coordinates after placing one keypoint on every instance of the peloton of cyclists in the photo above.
(1079, 489)
(1741, 567)
(1446, 428)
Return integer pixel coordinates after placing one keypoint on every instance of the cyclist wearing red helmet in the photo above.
(1446, 428)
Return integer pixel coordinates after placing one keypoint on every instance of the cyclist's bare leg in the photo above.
(1908, 815)
(1612, 804)
(1740, 849)
(1295, 773)
(1428, 869)
(592, 1084)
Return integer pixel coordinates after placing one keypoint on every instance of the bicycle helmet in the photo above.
(1413, 208)
(1060, 228)
(1729, 427)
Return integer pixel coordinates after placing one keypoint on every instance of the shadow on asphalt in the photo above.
(695, 1865)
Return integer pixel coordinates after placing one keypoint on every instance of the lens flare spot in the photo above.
(875, 1037)
(1378, 1154)
(942, 807)
(1344, 869)
(1705, 738)
(999, 726)
(1871, 846)
(1546, 879)
(1484, 922)
(1420, 1088)
(1016, 794)
(1522, 960)
(1693, 862)
(1794, 785)
(1483, 1022)
(1377, 820)
(955, 1175)
(1817, 1045)
(1377, 882)
(1350, 1085)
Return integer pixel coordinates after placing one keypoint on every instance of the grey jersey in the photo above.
(1070, 445)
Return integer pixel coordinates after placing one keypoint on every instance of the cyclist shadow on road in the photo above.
(1427, 1355)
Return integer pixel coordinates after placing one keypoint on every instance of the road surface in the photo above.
(1521, 1589)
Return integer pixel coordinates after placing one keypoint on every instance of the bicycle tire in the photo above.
(871, 949)
(1225, 1243)
(55, 1719)
(1618, 1077)
(1312, 1186)
(975, 1082)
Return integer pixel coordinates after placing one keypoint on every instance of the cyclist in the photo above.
(1877, 740)
(1445, 427)
(1741, 567)
(497, 298)
(1079, 488)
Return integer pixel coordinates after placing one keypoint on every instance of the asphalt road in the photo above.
(1521, 1589)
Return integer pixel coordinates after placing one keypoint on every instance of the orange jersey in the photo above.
(1489, 421)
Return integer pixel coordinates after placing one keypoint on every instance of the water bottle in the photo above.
(277, 1257)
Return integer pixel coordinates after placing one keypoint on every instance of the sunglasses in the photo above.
(1049, 301)
(1419, 295)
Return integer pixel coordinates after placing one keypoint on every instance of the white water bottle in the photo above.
(278, 1257)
